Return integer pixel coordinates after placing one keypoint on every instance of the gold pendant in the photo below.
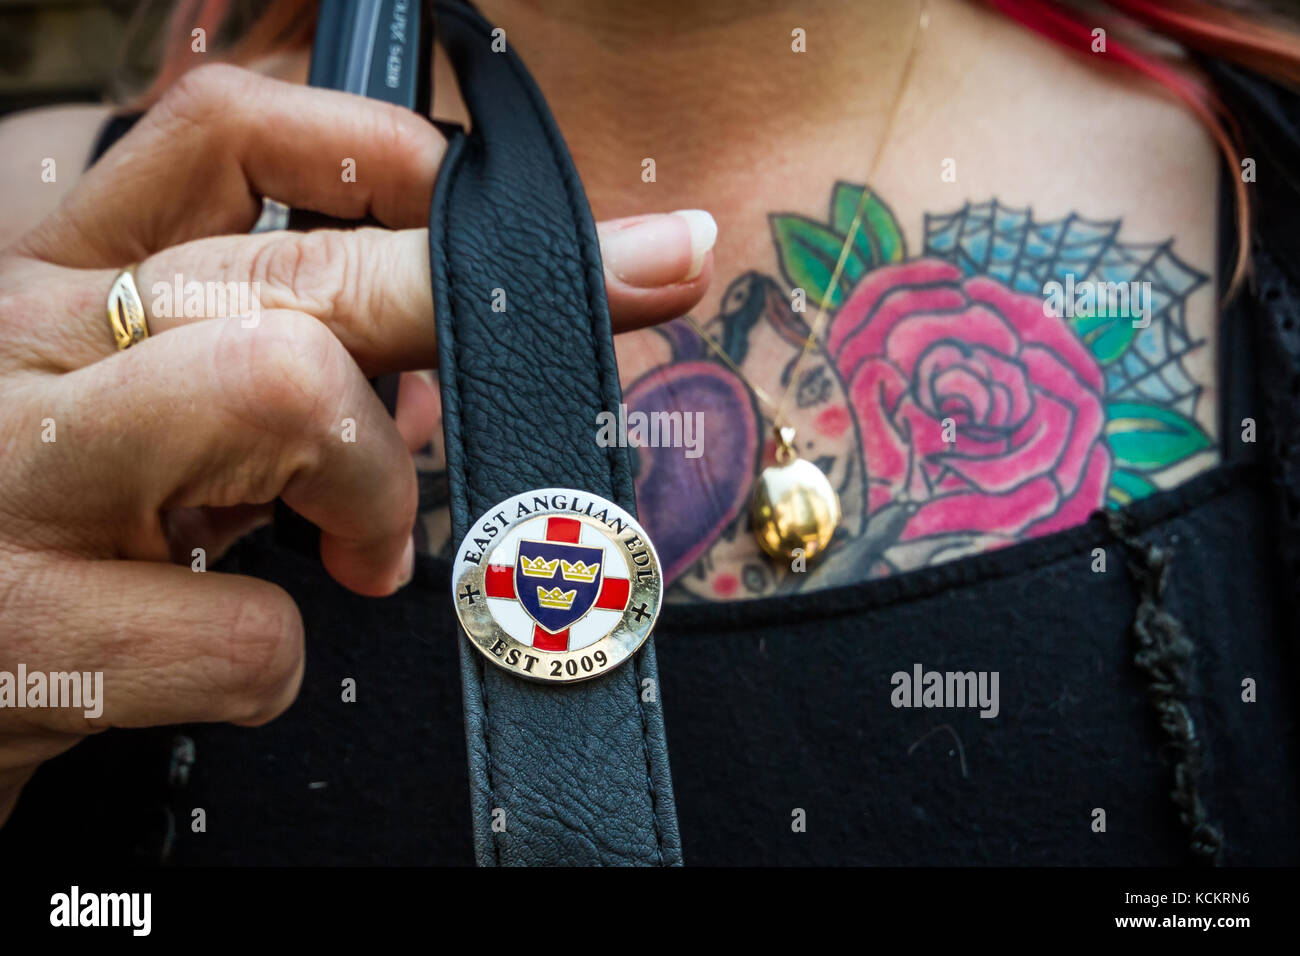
(794, 507)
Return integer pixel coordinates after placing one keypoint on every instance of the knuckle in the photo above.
(202, 92)
(364, 276)
(262, 658)
(25, 293)
(393, 513)
(405, 516)
(400, 136)
(408, 506)
(287, 373)
(309, 271)
(18, 302)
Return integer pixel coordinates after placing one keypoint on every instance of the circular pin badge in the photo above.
(557, 585)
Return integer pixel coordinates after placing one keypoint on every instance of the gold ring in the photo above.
(126, 310)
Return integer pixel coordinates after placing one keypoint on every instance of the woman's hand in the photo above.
(108, 456)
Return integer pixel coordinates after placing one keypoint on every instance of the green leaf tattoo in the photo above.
(808, 253)
(1127, 487)
(1108, 336)
(879, 240)
(1149, 438)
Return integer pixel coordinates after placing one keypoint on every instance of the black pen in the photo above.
(380, 49)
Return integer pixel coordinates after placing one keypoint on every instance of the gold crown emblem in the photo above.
(579, 571)
(555, 598)
(538, 567)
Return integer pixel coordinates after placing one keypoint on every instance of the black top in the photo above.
(1119, 691)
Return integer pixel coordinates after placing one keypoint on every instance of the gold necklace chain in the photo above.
(922, 21)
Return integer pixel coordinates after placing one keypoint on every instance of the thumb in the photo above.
(657, 266)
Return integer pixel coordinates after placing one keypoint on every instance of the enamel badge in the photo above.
(557, 585)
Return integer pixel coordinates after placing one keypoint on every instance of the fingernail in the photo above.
(660, 249)
(704, 233)
(408, 564)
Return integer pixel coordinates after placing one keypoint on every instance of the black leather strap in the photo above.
(581, 771)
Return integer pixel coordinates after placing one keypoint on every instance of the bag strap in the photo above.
(559, 774)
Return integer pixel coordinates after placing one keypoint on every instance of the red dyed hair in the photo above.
(1196, 24)
(285, 25)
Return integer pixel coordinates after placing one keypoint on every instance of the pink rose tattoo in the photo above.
(919, 345)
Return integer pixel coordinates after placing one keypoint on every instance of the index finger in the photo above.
(200, 161)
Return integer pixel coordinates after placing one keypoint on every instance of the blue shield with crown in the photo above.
(557, 583)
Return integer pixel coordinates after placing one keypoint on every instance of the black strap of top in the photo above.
(1269, 116)
(574, 774)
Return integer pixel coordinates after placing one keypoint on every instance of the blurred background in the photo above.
(85, 51)
(58, 51)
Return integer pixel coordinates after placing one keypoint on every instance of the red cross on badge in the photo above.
(562, 581)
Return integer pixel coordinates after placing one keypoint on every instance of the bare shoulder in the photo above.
(43, 153)
(1023, 118)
